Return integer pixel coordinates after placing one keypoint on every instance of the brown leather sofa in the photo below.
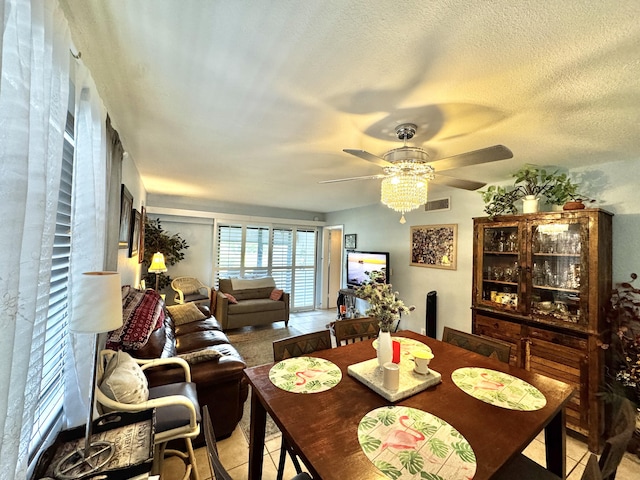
(220, 383)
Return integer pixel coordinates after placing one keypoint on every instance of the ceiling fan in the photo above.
(407, 170)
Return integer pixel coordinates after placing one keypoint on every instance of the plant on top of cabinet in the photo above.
(531, 182)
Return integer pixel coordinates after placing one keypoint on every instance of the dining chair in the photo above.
(219, 472)
(623, 427)
(299, 345)
(121, 386)
(355, 330)
(295, 347)
(489, 347)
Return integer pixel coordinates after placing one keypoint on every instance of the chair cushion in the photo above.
(124, 381)
(185, 313)
(168, 418)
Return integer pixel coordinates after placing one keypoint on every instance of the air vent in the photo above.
(438, 205)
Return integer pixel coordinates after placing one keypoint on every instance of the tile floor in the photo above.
(234, 451)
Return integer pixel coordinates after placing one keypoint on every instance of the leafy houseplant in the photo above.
(384, 303)
(156, 239)
(530, 181)
(623, 317)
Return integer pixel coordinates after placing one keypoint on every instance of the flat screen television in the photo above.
(360, 262)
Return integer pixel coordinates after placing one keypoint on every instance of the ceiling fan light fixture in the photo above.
(404, 192)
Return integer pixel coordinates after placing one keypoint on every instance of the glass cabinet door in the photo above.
(559, 290)
(501, 266)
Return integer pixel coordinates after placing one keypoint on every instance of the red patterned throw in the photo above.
(142, 313)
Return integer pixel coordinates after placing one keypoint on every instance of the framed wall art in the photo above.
(143, 220)
(434, 246)
(126, 208)
(350, 241)
(135, 233)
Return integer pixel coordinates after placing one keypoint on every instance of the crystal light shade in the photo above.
(404, 192)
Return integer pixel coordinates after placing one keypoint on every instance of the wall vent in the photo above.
(438, 205)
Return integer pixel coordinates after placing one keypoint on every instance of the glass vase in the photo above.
(385, 348)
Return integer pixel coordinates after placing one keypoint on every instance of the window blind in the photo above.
(49, 408)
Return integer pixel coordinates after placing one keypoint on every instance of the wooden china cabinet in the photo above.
(541, 282)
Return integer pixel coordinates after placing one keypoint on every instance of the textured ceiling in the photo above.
(253, 102)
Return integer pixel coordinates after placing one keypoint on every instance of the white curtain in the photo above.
(88, 226)
(33, 103)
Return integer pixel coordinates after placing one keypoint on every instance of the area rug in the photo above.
(255, 346)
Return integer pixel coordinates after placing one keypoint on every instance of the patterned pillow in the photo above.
(231, 298)
(185, 313)
(276, 294)
(124, 381)
(200, 355)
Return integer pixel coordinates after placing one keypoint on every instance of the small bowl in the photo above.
(545, 306)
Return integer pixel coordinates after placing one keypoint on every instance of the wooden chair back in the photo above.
(355, 330)
(301, 345)
(220, 473)
(624, 424)
(488, 347)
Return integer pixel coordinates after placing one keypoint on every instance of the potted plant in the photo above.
(156, 239)
(565, 193)
(499, 200)
(532, 183)
(384, 305)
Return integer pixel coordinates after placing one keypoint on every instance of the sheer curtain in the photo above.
(33, 104)
(88, 224)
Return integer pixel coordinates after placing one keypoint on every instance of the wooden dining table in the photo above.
(323, 427)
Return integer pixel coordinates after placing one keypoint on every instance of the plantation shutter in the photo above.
(49, 409)
(229, 251)
(305, 268)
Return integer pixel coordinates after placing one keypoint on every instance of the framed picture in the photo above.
(135, 233)
(350, 241)
(126, 208)
(143, 219)
(434, 246)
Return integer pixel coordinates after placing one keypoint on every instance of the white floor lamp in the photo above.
(99, 310)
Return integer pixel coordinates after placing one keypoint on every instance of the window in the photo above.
(286, 253)
(49, 408)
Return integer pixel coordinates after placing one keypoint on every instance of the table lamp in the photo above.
(157, 266)
(99, 310)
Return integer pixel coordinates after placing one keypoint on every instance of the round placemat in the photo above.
(305, 375)
(407, 345)
(405, 442)
(498, 388)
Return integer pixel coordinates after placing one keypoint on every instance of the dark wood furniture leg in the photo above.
(256, 436)
(555, 445)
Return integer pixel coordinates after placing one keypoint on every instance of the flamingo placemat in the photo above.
(305, 375)
(405, 442)
(498, 388)
(407, 345)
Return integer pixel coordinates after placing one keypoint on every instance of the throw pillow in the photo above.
(231, 298)
(276, 294)
(200, 355)
(124, 381)
(185, 313)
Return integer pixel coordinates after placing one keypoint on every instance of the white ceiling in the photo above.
(253, 101)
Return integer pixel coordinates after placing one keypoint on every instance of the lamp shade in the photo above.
(98, 303)
(157, 263)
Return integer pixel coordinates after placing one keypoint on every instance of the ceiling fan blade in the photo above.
(484, 155)
(369, 157)
(367, 177)
(457, 182)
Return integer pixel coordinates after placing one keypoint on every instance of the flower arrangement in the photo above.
(384, 303)
(623, 317)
